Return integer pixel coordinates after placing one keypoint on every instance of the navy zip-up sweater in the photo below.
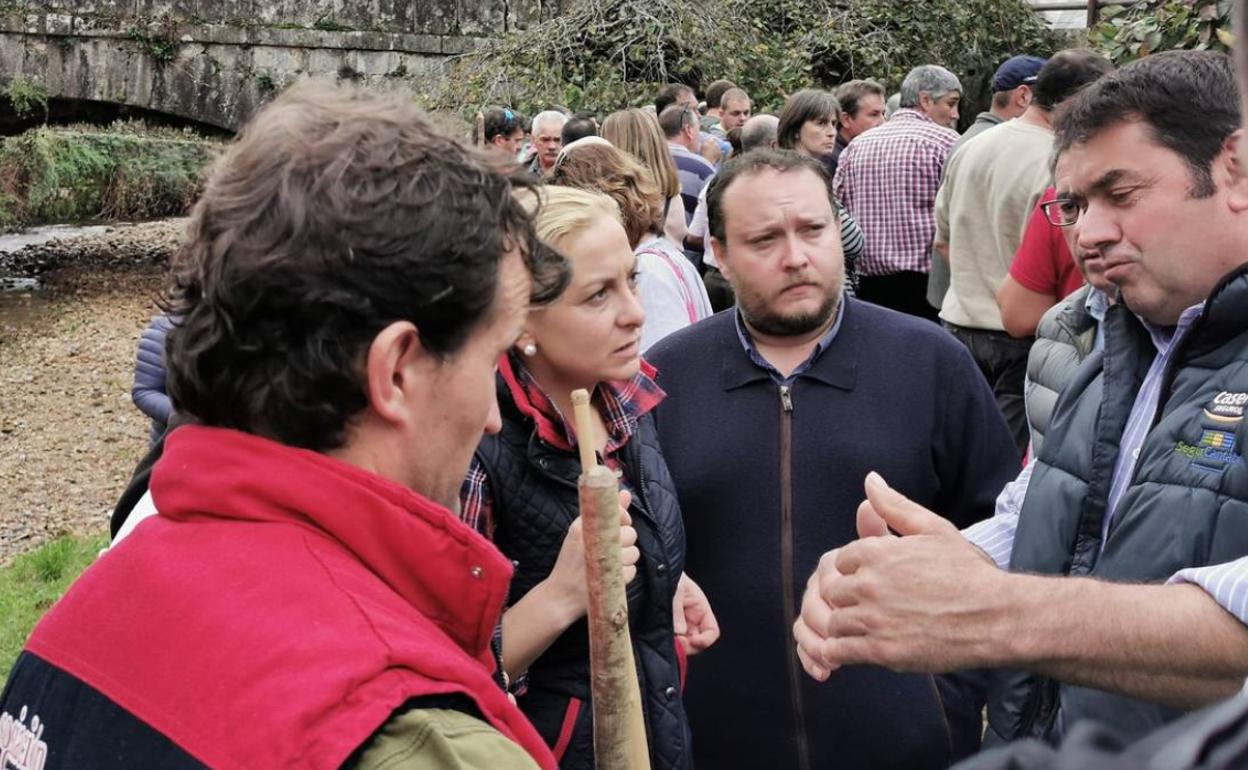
(890, 393)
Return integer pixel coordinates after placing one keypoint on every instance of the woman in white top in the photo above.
(671, 290)
(637, 133)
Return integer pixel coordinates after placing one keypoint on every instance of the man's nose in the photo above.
(1097, 227)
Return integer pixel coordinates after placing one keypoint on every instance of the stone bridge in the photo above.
(213, 62)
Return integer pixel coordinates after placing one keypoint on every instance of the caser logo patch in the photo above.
(1227, 407)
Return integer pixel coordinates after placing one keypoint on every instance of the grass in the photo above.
(77, 175)
(34, 581)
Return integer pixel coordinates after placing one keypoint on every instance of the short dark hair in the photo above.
(1066, 73)
(715, 92)
(752, 162)
(675, 118)
(1188, 100)
(334, 214)
(669, 95)
(496, 121)
(806, 104)
(850, 94)
(578, 128)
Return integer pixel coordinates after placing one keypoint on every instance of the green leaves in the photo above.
(618, 52)
(1131, 32)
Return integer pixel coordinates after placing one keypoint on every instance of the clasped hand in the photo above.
(568, 575)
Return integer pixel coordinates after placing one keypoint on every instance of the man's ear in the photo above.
(721, 251)
(1231, 162)
(393, 371)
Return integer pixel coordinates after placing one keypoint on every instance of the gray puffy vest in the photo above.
(1064, 338)
(1186, 505)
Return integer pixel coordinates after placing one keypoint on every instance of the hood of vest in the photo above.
(418, 548)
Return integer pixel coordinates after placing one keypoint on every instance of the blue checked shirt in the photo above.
(757, 359)
(1226, 583)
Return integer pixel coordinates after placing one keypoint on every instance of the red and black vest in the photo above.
(279, 610)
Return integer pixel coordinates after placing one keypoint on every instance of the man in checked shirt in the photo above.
(1112, 584)
(887, 179)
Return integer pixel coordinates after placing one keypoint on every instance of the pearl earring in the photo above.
(529, 350)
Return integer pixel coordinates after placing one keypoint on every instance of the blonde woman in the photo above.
(637, 133)
(521, 492)
(672, 292)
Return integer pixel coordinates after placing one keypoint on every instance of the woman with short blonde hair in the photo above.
(521, 491)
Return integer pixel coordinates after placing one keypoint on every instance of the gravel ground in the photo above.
(69, 434)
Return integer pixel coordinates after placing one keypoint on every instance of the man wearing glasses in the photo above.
(1069, 329)
(1118, 590)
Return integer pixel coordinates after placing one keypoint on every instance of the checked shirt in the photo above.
(887, 178)
(621, 405)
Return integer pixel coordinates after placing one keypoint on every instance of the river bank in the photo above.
(69, 434)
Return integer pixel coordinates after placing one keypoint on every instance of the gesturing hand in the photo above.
(711, 150)
(923, 599)
(694, 622)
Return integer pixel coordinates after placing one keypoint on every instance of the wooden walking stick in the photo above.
(619, 731)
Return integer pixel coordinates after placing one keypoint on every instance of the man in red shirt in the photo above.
(1042, 273)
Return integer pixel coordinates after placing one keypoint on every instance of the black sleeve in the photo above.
(141, 479)
(974, 451)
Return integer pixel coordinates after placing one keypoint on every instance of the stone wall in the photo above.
(217, 61)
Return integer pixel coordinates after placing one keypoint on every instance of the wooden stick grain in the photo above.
(584, 429)
(619, 729)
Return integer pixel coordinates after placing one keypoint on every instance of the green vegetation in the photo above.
(328, 23)
(33, 583)
(126, 172)
(26, 96)
(265, 84)
(1129, 32)
(158, 39)
(602, 54)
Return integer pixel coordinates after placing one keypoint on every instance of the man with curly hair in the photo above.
(306, 595)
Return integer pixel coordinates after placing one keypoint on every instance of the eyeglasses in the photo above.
(1061, 212)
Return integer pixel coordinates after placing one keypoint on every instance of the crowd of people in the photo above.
(356, 540)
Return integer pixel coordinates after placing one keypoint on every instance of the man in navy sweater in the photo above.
(777, 411)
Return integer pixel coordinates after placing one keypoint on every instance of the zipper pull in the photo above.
(786, 400)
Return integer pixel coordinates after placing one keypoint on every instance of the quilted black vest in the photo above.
(1185, 506)
(535, 501)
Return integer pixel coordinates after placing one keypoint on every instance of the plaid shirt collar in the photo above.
(910, 113)
(621, 404)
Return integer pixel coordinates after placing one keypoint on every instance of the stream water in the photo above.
(21, 296)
